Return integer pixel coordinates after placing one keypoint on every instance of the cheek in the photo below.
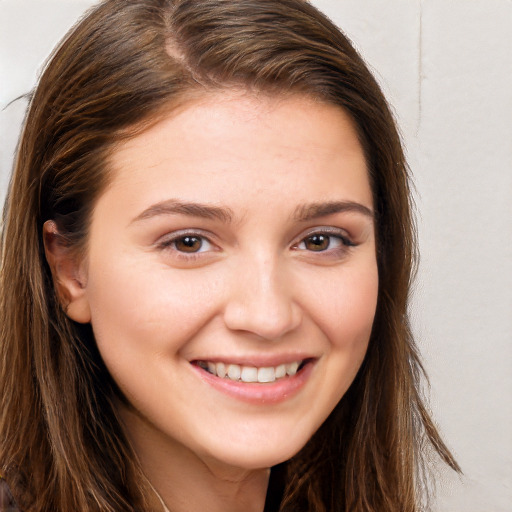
(139, 311)
(345, 306)
(345, 314)
(356, 307)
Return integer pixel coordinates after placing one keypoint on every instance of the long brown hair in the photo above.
(122, 66)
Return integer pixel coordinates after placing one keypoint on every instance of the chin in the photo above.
(260, 451)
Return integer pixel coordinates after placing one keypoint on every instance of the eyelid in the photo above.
(166, 241)
(326, 230)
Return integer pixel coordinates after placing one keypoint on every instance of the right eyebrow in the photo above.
(175, 207)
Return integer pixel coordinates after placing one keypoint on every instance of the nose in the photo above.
(261, 301)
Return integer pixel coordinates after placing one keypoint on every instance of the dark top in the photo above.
(275, 488)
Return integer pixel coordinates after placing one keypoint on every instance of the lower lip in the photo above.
(265, 393)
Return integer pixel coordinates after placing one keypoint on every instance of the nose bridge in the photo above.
(261, 298)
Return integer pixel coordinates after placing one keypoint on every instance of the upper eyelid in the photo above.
(176, 235)
(168, 238)
(165, 244)
(328, 230)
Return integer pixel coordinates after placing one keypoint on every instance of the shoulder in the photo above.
(7, 502)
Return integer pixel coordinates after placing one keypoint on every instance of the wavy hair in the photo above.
(122, 67)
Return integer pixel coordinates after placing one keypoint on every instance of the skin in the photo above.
(257, 288)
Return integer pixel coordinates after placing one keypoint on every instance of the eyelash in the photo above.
(330, 233)
(170, 243)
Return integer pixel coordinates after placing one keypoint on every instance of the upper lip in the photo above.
(259, 361)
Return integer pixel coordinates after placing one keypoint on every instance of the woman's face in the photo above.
(236, 236)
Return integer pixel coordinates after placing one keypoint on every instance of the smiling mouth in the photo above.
(252, 374)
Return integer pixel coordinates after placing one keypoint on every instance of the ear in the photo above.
(69, 277)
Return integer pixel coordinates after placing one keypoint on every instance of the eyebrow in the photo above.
(173, 207)
(313, 211)
(303, 213)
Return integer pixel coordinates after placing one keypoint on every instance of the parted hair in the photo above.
(124, 65)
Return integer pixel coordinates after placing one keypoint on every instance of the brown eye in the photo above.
(325, 241)
(189, 244)
(317, 242)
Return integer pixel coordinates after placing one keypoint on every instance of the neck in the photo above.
(186, 482)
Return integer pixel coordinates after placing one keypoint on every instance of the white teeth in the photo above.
(280, 371)
(221, 370)
(291, 369)
(250, 373)
(234, 371)
(266, 374)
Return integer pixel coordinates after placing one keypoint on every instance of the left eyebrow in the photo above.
(313, 211)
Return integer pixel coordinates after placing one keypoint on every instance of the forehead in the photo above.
(234, 144)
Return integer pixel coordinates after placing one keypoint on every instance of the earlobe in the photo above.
(69, 278)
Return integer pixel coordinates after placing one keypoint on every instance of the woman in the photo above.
(206, 259)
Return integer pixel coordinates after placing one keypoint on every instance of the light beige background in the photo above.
(446, 66)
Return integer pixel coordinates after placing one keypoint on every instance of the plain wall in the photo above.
(445, 65)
